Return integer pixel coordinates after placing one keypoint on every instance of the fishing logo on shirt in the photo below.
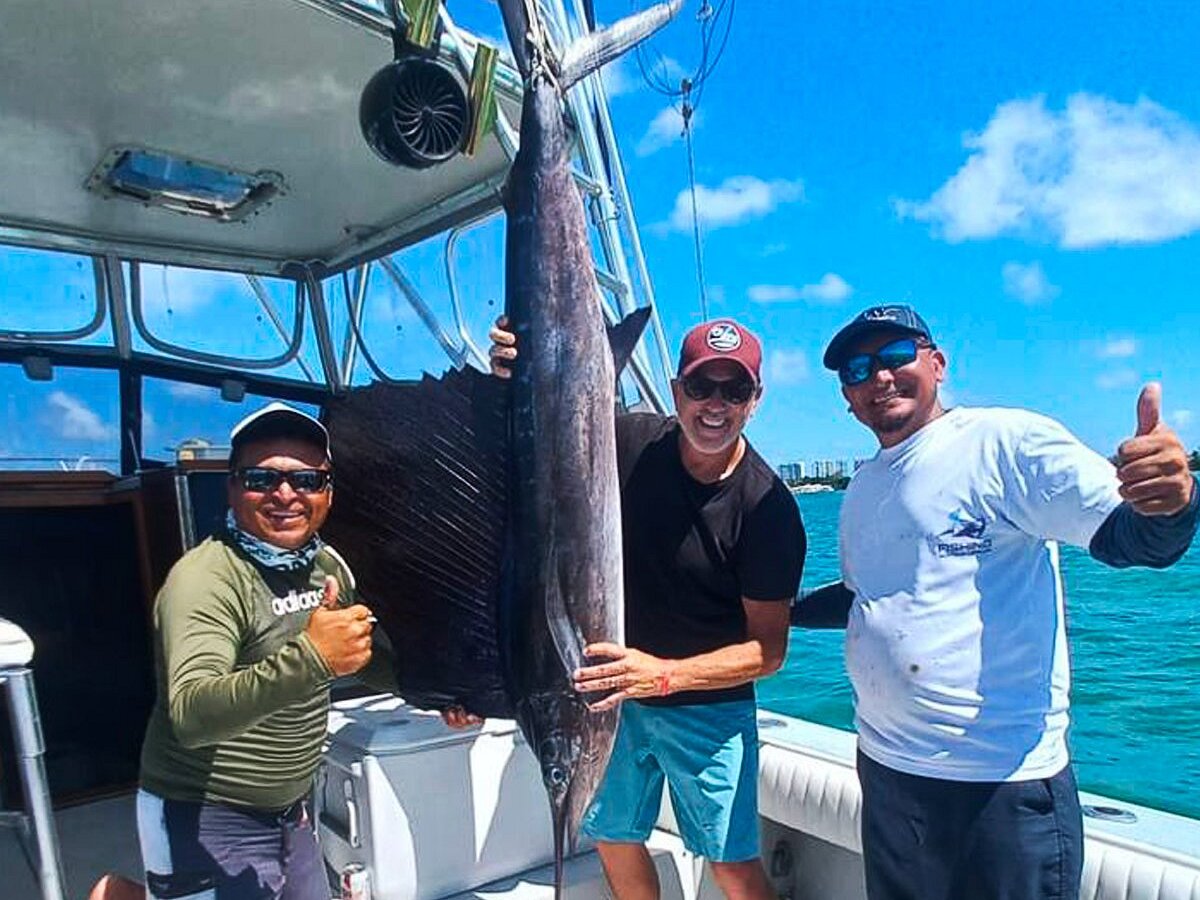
(964, 537)
(297, 601)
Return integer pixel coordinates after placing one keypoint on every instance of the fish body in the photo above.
(565, 586)
(564, 589)
(482, 517)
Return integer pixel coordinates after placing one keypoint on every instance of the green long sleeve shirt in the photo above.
(243, 694)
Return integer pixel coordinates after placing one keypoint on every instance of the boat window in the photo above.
(183, 185)
(475, 261)
(221, 318)
(406, 302)
(68, 423)
(183, 421)
(50, 296)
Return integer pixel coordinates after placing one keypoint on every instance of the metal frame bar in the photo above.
(30, 749)
(354, 309)
(608, 135)
(150, 366)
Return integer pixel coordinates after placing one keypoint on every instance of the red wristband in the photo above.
(663, 682)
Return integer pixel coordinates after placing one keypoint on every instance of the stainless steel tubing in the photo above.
(30, 747)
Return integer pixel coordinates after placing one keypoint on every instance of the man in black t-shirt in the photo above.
(714, 548)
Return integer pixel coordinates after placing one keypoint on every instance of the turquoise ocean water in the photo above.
(1135, 653)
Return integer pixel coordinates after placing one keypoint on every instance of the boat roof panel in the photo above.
(269, 85)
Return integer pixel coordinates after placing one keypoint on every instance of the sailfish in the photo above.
(482, 517)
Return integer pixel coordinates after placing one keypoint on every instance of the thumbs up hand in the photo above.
(1152, 465)
(341, 635)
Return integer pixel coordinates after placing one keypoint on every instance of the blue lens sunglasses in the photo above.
(861, 366)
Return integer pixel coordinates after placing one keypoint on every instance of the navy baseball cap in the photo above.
(894, 317)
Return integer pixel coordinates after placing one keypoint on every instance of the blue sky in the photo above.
(1026, 174)
(1027, 177)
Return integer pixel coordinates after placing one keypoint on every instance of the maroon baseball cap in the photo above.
(720, 339)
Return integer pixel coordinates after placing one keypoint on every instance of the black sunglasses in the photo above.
(861, 366)
(303, 481)
(735, 390)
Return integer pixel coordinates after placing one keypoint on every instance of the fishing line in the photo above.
(686, 112)
(689, 93)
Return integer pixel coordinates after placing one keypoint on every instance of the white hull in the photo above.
(808, 795)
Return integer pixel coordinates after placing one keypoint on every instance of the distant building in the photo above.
(199, 448)
(791, 472)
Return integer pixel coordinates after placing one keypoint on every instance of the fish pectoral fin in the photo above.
(624, 335)
(588, 53)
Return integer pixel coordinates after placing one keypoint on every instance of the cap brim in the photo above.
(697, 363)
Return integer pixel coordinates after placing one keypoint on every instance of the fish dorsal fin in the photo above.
(624, 335)
(588, 53)
(420, 515)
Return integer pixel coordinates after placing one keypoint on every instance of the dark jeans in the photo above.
(929, 839)
(205, 850)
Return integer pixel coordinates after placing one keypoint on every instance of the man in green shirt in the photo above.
(250, 629)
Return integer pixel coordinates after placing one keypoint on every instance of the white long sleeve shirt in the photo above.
(956, 645)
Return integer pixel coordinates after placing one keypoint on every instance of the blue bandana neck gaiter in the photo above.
(268, 555)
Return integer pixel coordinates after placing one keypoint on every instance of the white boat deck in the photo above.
(809, 837)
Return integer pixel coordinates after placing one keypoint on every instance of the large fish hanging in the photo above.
(481, 517)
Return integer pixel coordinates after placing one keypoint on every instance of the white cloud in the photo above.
(737, 200)
(71, 419)
(621, 77)
(775, 249)
(1027, 283)
(1182, 418)
(1116, 378)
(773, 293)
(1118, 348)
(787, 367)
(665, 129)
(1096, 173)
(182, 390)
(831, 289)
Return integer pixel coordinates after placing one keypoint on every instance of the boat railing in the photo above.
(16, 679)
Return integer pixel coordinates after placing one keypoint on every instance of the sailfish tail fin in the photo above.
(593, 50)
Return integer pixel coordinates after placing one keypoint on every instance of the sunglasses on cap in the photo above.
(734, 390)
(858, 368)
(262, 480)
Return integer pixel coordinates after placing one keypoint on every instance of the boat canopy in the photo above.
(265, 90)
(186, 196)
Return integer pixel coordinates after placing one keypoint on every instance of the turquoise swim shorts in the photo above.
(708, 755)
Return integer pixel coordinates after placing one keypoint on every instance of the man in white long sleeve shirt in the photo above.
(955, 643)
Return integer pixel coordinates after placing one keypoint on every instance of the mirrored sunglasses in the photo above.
(262, 480)
(861, 366)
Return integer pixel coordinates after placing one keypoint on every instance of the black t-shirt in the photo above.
(693, 551)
